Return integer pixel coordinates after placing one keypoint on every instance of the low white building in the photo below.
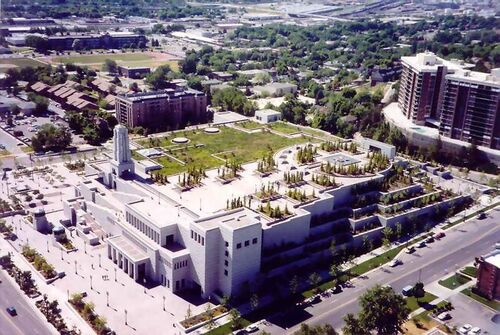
(267, 115)
(275, 89)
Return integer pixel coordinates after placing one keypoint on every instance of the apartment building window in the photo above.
(202, 241)
(225, 273)
(247, 243)
(238, 246)
(226, 253)
(254, 241)
(227, 244)
(226, 263)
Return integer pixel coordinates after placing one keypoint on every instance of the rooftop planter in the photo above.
(267, 193)
(202, 319)
(300, 197)
(39, 262)
(306, 155)
(266, 165)
(86, 310)
(275, 213)
(293, 179)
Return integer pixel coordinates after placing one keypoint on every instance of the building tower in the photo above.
(122, 159)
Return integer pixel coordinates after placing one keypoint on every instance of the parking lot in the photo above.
(469, 311)
(27, 126)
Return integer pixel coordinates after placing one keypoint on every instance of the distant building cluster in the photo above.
(96, 41)
(463, 104)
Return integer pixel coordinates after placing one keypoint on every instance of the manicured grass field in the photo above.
(229, 143)
(250, 125)
(285, 128)
(454, 281)
(490, 303)
(18, 63)
(137, 59)
(470, 271)
(413, 304)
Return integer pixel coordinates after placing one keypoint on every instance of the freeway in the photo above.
(26, 321)
(461, 244)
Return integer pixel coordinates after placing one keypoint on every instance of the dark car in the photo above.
(12, 311)
(440, 235)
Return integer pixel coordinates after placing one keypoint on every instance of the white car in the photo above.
(395, 262)
(474, 331)
(251, 329)
(444, 316)
(464, 329)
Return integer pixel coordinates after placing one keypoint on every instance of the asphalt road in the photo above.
(457, 249)
(26, 321)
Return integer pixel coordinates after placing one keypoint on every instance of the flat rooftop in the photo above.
(128, 248)
(493, 258)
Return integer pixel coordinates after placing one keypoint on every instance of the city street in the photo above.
(26, 321)
(461, 244)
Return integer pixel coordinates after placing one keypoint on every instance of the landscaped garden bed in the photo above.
(205, 317)
(51, 311)
(86, 310)
(39, 262)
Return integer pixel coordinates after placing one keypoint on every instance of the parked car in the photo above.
(410, 250)
(429, 239)
(481, 216)
(440, 235)
(251, 329)
(464, 329)
(240, 332)
(314, 299)
(407, 290)
(444, 316)
(421, 244)
(11, 310)
(395, 262)
(475, 331)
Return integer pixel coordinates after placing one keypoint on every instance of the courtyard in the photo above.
(212, 150)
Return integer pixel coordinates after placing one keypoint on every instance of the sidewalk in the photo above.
(442, 293)
(68, 314)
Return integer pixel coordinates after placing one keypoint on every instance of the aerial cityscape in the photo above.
(315, 167)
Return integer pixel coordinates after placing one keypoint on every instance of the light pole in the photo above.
(62, 253)
(107, 298)
(91, 282)
(163, 303)
(47, 246)
(99, 260)
(85, 246)
(126, 318)
(67, 291)
(115, 274)
(76, 271)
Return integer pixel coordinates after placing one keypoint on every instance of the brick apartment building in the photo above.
(488, 276)
(462, 104)
(169, 109)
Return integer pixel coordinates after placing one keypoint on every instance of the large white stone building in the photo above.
(194, 240)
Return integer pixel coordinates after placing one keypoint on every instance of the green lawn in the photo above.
(376, 261)
(99, 58)
(470, 271)
(284, 127)
(229, 143)
(18, 63)
(250, 125)
(490, 303)
(226, 329)
(137, 59)
(413, 304)
(454, 281)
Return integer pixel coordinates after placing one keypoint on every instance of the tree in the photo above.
(314, 279)
(40, 44)
(41, 103)
(110, 66)
(305, 329)
(235, 316)
(77, 45)
(294, 285)
(388, 233)
(382, 311)
(50, 137)
(254, 301)
(158, 79)
(418, 290)
(353, 326)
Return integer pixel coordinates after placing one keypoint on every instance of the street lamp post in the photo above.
(76, 271)
(126, 318)
(115, 274)
(62, 254)
(99, 260)
(163, 303)
(47, 246)
(107, 298)
(85, 246)
(67, 291)
(91, 282)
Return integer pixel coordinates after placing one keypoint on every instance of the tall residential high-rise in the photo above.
(470, 108)
(463, 104)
